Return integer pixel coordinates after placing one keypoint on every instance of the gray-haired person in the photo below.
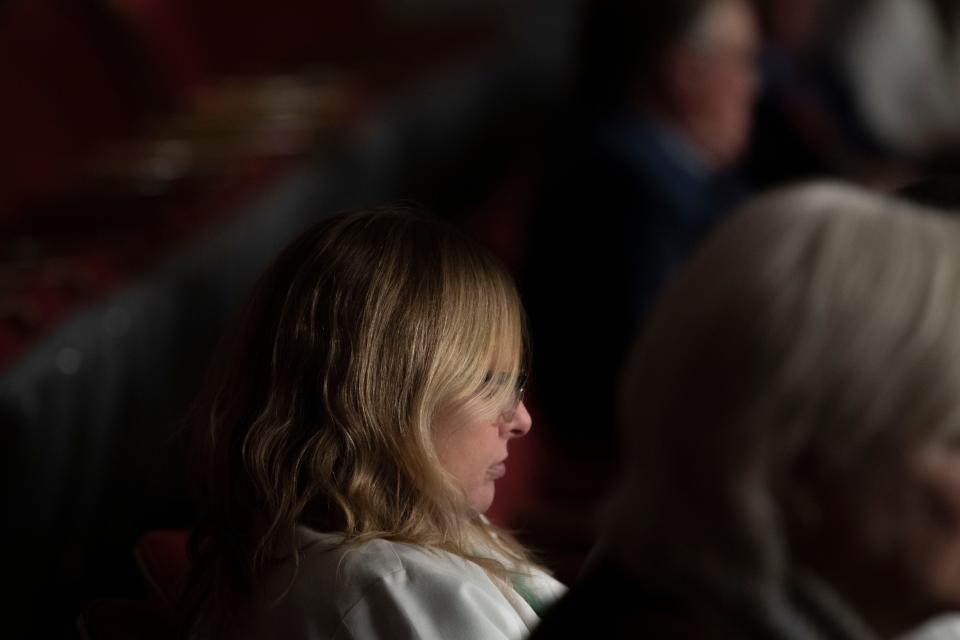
(790, 420)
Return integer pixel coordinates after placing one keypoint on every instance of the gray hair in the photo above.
(810, 348)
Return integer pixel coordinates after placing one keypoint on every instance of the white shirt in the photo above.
(390, 590)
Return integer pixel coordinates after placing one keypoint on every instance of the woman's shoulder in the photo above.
(363, 564)
(352, 590)
(354, 567)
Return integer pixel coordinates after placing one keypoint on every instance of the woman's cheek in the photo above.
(938, 541)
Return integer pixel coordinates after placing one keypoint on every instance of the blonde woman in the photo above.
(790, 416)
(351, 440)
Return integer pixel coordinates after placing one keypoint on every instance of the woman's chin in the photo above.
(482, 498)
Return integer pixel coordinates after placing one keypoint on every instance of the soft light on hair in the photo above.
(361, 335)
(811, 347)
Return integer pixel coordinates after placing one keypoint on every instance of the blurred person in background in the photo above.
(864, 90)
(790, 418)
(351, 440)
(902, 61)
(804, 127)
(644, 172)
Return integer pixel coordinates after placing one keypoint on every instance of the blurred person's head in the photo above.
(792, 407)
(371, 391)
(691, 62)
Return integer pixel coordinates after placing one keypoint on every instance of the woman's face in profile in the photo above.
(474, 452)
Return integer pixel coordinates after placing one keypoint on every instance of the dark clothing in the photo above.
(608, 604)
(806, 124)
(612, 605)
(622, 210)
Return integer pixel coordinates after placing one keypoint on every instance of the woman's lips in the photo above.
(497, 471)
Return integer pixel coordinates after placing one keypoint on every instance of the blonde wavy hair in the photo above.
(803, 359)
(322, 412)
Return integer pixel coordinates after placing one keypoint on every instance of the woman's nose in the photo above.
(517, 422)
